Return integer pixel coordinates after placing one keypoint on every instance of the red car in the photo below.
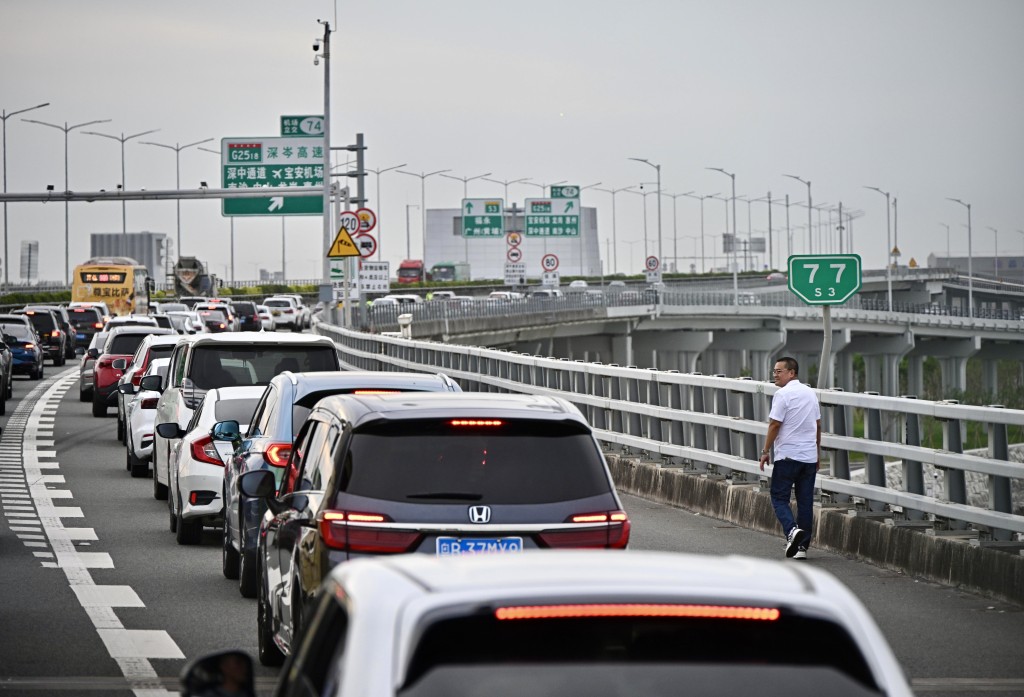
(121, 342)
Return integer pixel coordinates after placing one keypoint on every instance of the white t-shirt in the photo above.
(796, 407)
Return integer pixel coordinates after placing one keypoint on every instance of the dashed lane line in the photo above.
(28, 492)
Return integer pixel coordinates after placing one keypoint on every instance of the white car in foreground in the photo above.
(196, 465)
(140, 414)
(588, 624)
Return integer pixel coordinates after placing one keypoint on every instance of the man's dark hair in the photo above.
(790, 364)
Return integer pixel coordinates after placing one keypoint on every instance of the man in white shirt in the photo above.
(794, 429)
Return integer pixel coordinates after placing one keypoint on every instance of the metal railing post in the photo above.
(723, 435)
(954, 481)
(654, 399)
(999, 490)
(699, 431)
(876, 463)
(913, 472)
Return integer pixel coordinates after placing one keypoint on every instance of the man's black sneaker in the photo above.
(791, 538)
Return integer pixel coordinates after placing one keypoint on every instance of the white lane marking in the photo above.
(139, 643)
(131, 648)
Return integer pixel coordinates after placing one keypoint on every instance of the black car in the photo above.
(51, 334)
(268, 443)
(86, 322)
(64, 321)
(429, 473)
(247, 316)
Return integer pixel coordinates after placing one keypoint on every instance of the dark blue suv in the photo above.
(268, 444)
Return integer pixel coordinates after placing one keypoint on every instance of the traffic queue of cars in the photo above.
(389, 527)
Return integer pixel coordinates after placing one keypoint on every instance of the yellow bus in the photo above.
(120, 282)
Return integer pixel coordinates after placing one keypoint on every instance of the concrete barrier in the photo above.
(943, 560)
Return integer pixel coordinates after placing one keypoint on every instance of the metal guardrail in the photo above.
(717, 423)
(385, 317)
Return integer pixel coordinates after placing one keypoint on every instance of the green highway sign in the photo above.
(565, 191)
(302, 126)
(553, 217)
(248, 163)
(824, 279)
(483, 217)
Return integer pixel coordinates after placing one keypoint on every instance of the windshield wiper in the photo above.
(457, 495)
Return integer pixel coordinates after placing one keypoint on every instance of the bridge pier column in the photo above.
(622, 348)
(954, 374)
(844, 372)
(990, 377)
(915, 374)
(873, 374)
(882, 356)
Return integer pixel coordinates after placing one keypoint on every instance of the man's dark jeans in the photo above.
(785, 475)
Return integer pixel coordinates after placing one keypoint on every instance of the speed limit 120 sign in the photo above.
(549, 262)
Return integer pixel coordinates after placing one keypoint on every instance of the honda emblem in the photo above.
(479, 514)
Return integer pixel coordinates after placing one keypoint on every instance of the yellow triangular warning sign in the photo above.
(343, 246)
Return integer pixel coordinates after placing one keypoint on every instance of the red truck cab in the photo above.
(411, 271)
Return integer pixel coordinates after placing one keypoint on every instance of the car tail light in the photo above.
(107, 363)
(375, 392)
(97, 325)
(277, 454)
(29, 345)
(55, 333)
(204, 450)
(347, 530)
(222, 325)
(476, 422)
(718, 612)
(149, 403)
(614, 534)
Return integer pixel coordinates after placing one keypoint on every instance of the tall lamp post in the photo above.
(408, 242)
(177, 148)
(970, 258)
(506, 182)
(465, 194)
(230, 218)
(703, 268)
(947, 242)
(380, 229)
(735, 241)
(675, 229)
(3, 117)
(124, 186)
(423, 202)
(888, 244)
(996, 234)
(615, 248)
(810, 203)
(67, 129)
(657, 169)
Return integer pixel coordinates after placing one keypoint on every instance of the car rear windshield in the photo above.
(18, 331)
(731, 643)
(277, 303)
(83, 317)
(124, 344)
(42, 321)
(516, 462)
(163, 321)
(160, 351)
(229, 365)
(173, 307)
(245, 309)
(240, 410)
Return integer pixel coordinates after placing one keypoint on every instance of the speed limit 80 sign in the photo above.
(824, 279)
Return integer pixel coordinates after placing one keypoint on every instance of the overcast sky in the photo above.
(922, 98)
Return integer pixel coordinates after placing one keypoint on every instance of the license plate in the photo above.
(277, 313)
(455, 546)
(79, 336)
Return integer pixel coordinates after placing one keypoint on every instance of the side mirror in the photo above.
(227, 431)
(224, 673)
(170, 430)
(93, 353)
(119, 364)
(154, 383)
(126, 388)
(258, 484)
(10, 339)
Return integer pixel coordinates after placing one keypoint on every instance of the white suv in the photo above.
(206, 361)
(286, 312)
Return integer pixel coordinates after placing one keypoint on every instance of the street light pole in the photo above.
(465, 194)
(970, 258)
(810, 204)
(888, 244)
(177, 148)
(735, 279)
(380, 228)
(423, 203)
(408, 245)
(615, 245)
(230, 218)
(657, 169)
(995, 259)
(124, 185)
(506, 182)
(67, 129)
(3, 117)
